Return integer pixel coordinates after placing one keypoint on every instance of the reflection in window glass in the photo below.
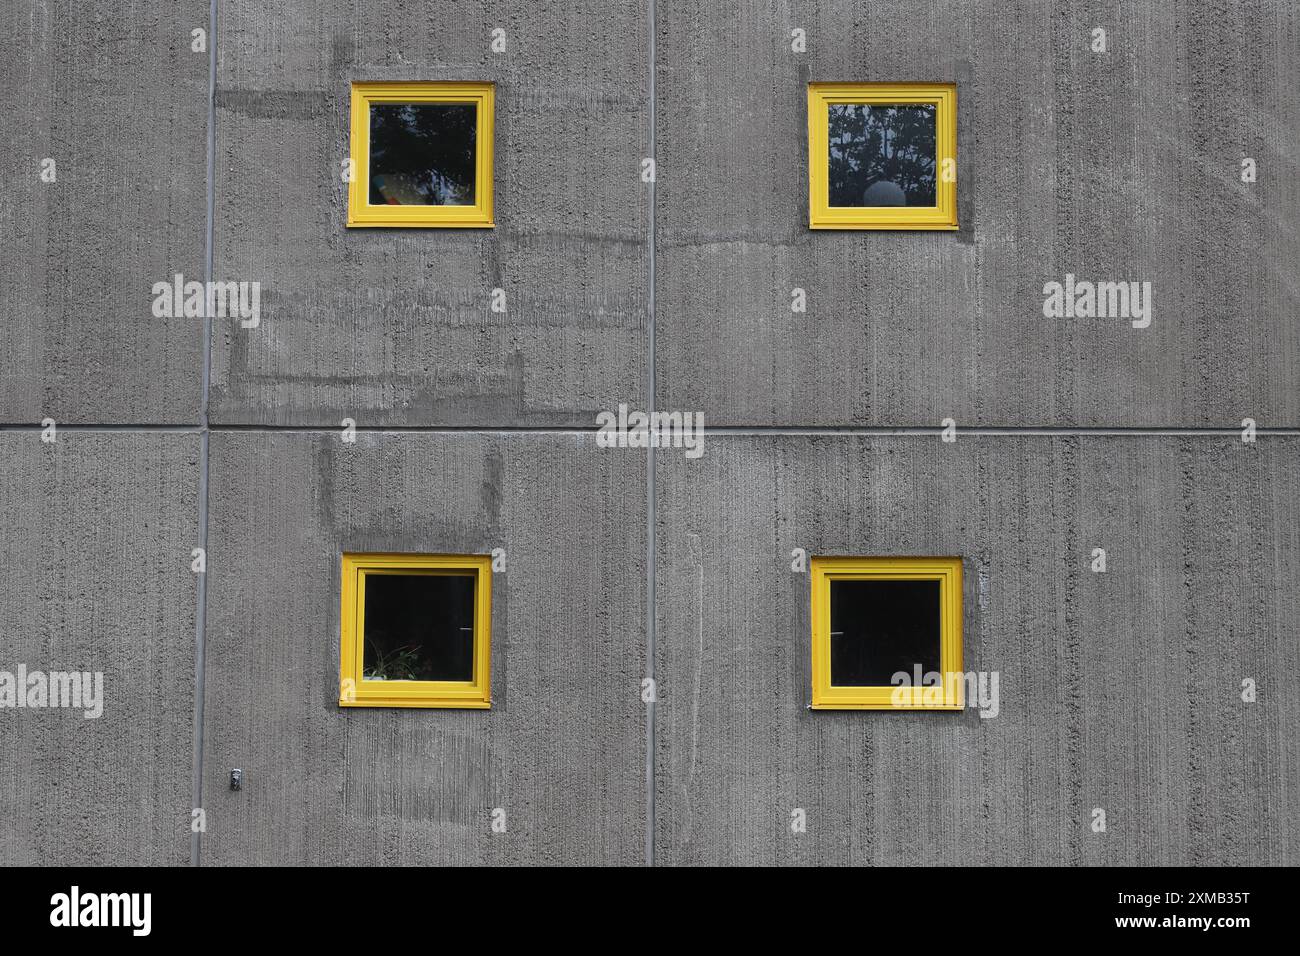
(422, 154)
(881, 627)
(419, 627)
(881, 154)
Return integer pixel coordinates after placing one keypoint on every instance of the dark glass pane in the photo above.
(419, 627)
(422, 154)
(879, 628)
(881, 155)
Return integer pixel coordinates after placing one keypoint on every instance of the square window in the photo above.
(421, 154)
(415, 631)
(876, 618)
(882, 156)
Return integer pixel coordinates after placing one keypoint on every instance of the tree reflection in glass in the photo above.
(423, 154)
(881, 154)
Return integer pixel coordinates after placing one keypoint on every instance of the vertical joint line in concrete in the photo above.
(650, 464)
(201, 589)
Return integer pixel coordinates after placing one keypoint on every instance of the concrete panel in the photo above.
(394, 326)
(1118, 690)
(117, 99)
(95, 540)
(562, 750)
(1116, 167)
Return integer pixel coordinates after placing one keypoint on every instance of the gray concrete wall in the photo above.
(1120, 690)
(562, 751)
(393, 326)
(1116, 167)
(95, 539)
(118, 100)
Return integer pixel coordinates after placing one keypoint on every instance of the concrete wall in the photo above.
(392, 326)
(562, 750)
(1119, 690)
(95, 575)
(1116, 167)
(119, 102)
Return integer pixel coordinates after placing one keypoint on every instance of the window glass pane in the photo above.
(879, 628)
(419, 627)
(881, 154)
(422, 154)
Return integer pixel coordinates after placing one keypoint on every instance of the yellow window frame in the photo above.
(364, 95)
(822, 215)
(356, 692)
(949, 695)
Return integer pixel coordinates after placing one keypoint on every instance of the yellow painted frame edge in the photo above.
(821, 215)
(947, 570)
(478, 216)
(476, 695)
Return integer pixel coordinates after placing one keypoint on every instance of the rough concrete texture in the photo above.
(114, 95)
(95, 539)
(562, 750)
(1123, 166)
(393, 326)
(1119, 690)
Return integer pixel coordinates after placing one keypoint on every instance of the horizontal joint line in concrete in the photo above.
(990, 430)
(709, 430)
(106, 427)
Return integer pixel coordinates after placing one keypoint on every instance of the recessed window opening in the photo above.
(882, 628)
(886, 633)
(419, 627)
(882, 156)
(415, 631)
(422, 154)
